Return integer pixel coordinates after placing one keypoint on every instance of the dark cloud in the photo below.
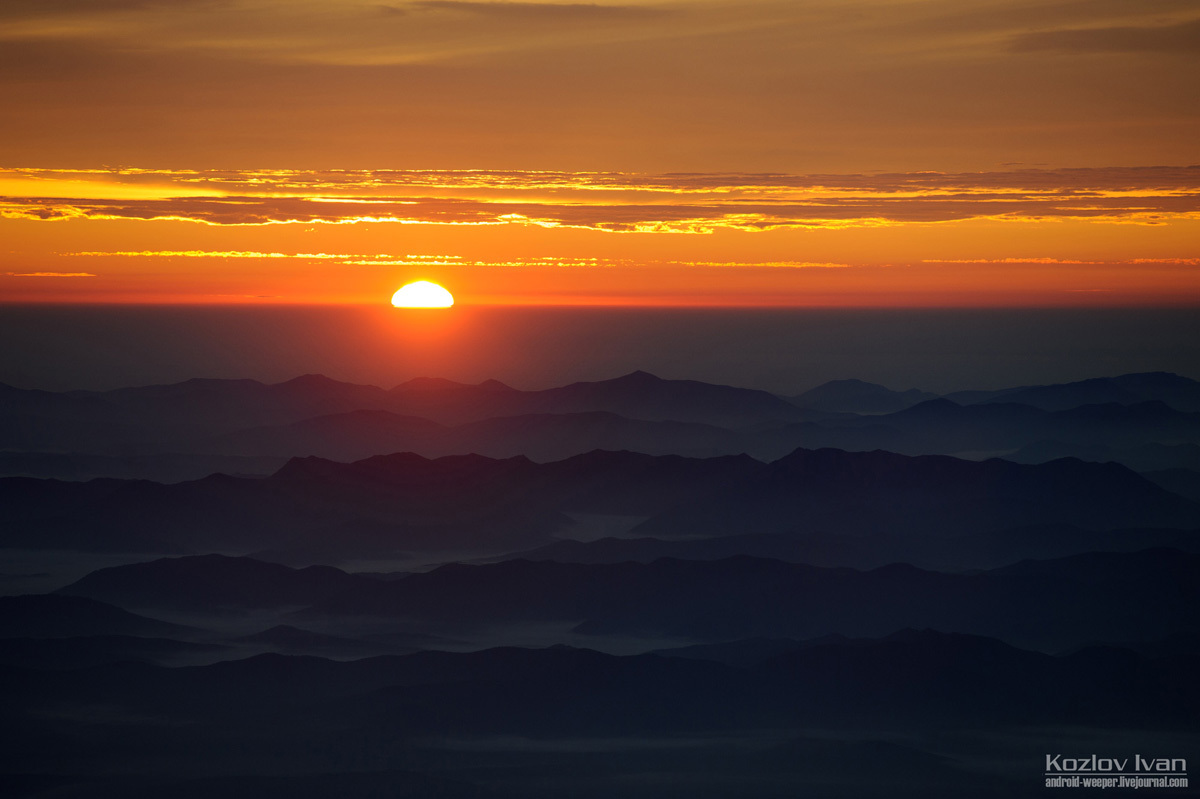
(1182, 37)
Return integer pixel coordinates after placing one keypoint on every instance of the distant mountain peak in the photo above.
(309, 377)
(858, 396)
(309, 466)
(638, 376)
(1153, 379)
(311, 380)
(938, 404)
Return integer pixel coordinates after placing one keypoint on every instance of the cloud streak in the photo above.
(423, 261)
(1180, 37)
(538, 11)
(49, 274)
(612, 202)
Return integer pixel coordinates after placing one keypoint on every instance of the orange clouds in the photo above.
(50, 274)
(691, 203)
(1022, 237)
(809, 152)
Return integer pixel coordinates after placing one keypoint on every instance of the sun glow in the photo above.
(422, 294)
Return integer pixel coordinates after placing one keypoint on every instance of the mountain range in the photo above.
(1052, 604)
(636, 587)
(497, 722)
(192, 429)
(833, 502)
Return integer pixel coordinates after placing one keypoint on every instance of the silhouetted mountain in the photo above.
(1141, 457)
(562, 721)
(970, 550)
(154, 419)
(1184, 482)
(166, 418)
(175, 432)
(647, 550)
(930, 677)
(52, 514)
(211, 582)
(31, 419)
(640, 395)
(401, 503)
(21, 401)
(345, 436)
(1127, 425)
(1050, 604)
(795, 681)
(158, 419)
(290, 640)
(745, 652)
(454, 403)
(637, 395)
(932, 427)
(906, 681)
(348, 785)
(1107, 569)
(209, 405)
(542, 437)
(163, 468)
(941, 426)
(843, 679)
(627, 483)
(597, 482)
(545, 437)
(98, 650)
(856, 396)
(880, 493)
(380, 505)
(55, 616)
(1180, 393)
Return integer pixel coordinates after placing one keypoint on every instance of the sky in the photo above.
(798, 154)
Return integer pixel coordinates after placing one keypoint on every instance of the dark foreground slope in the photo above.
(889, 717)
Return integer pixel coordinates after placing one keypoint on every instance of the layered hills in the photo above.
(190, 429)
(635, 587)
(831, 500)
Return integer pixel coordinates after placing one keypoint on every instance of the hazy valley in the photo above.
(573, 589)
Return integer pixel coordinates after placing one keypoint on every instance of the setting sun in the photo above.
(422, 294)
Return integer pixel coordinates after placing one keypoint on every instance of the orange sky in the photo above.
(848, 153)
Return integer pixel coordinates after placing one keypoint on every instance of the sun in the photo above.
(422, 294)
